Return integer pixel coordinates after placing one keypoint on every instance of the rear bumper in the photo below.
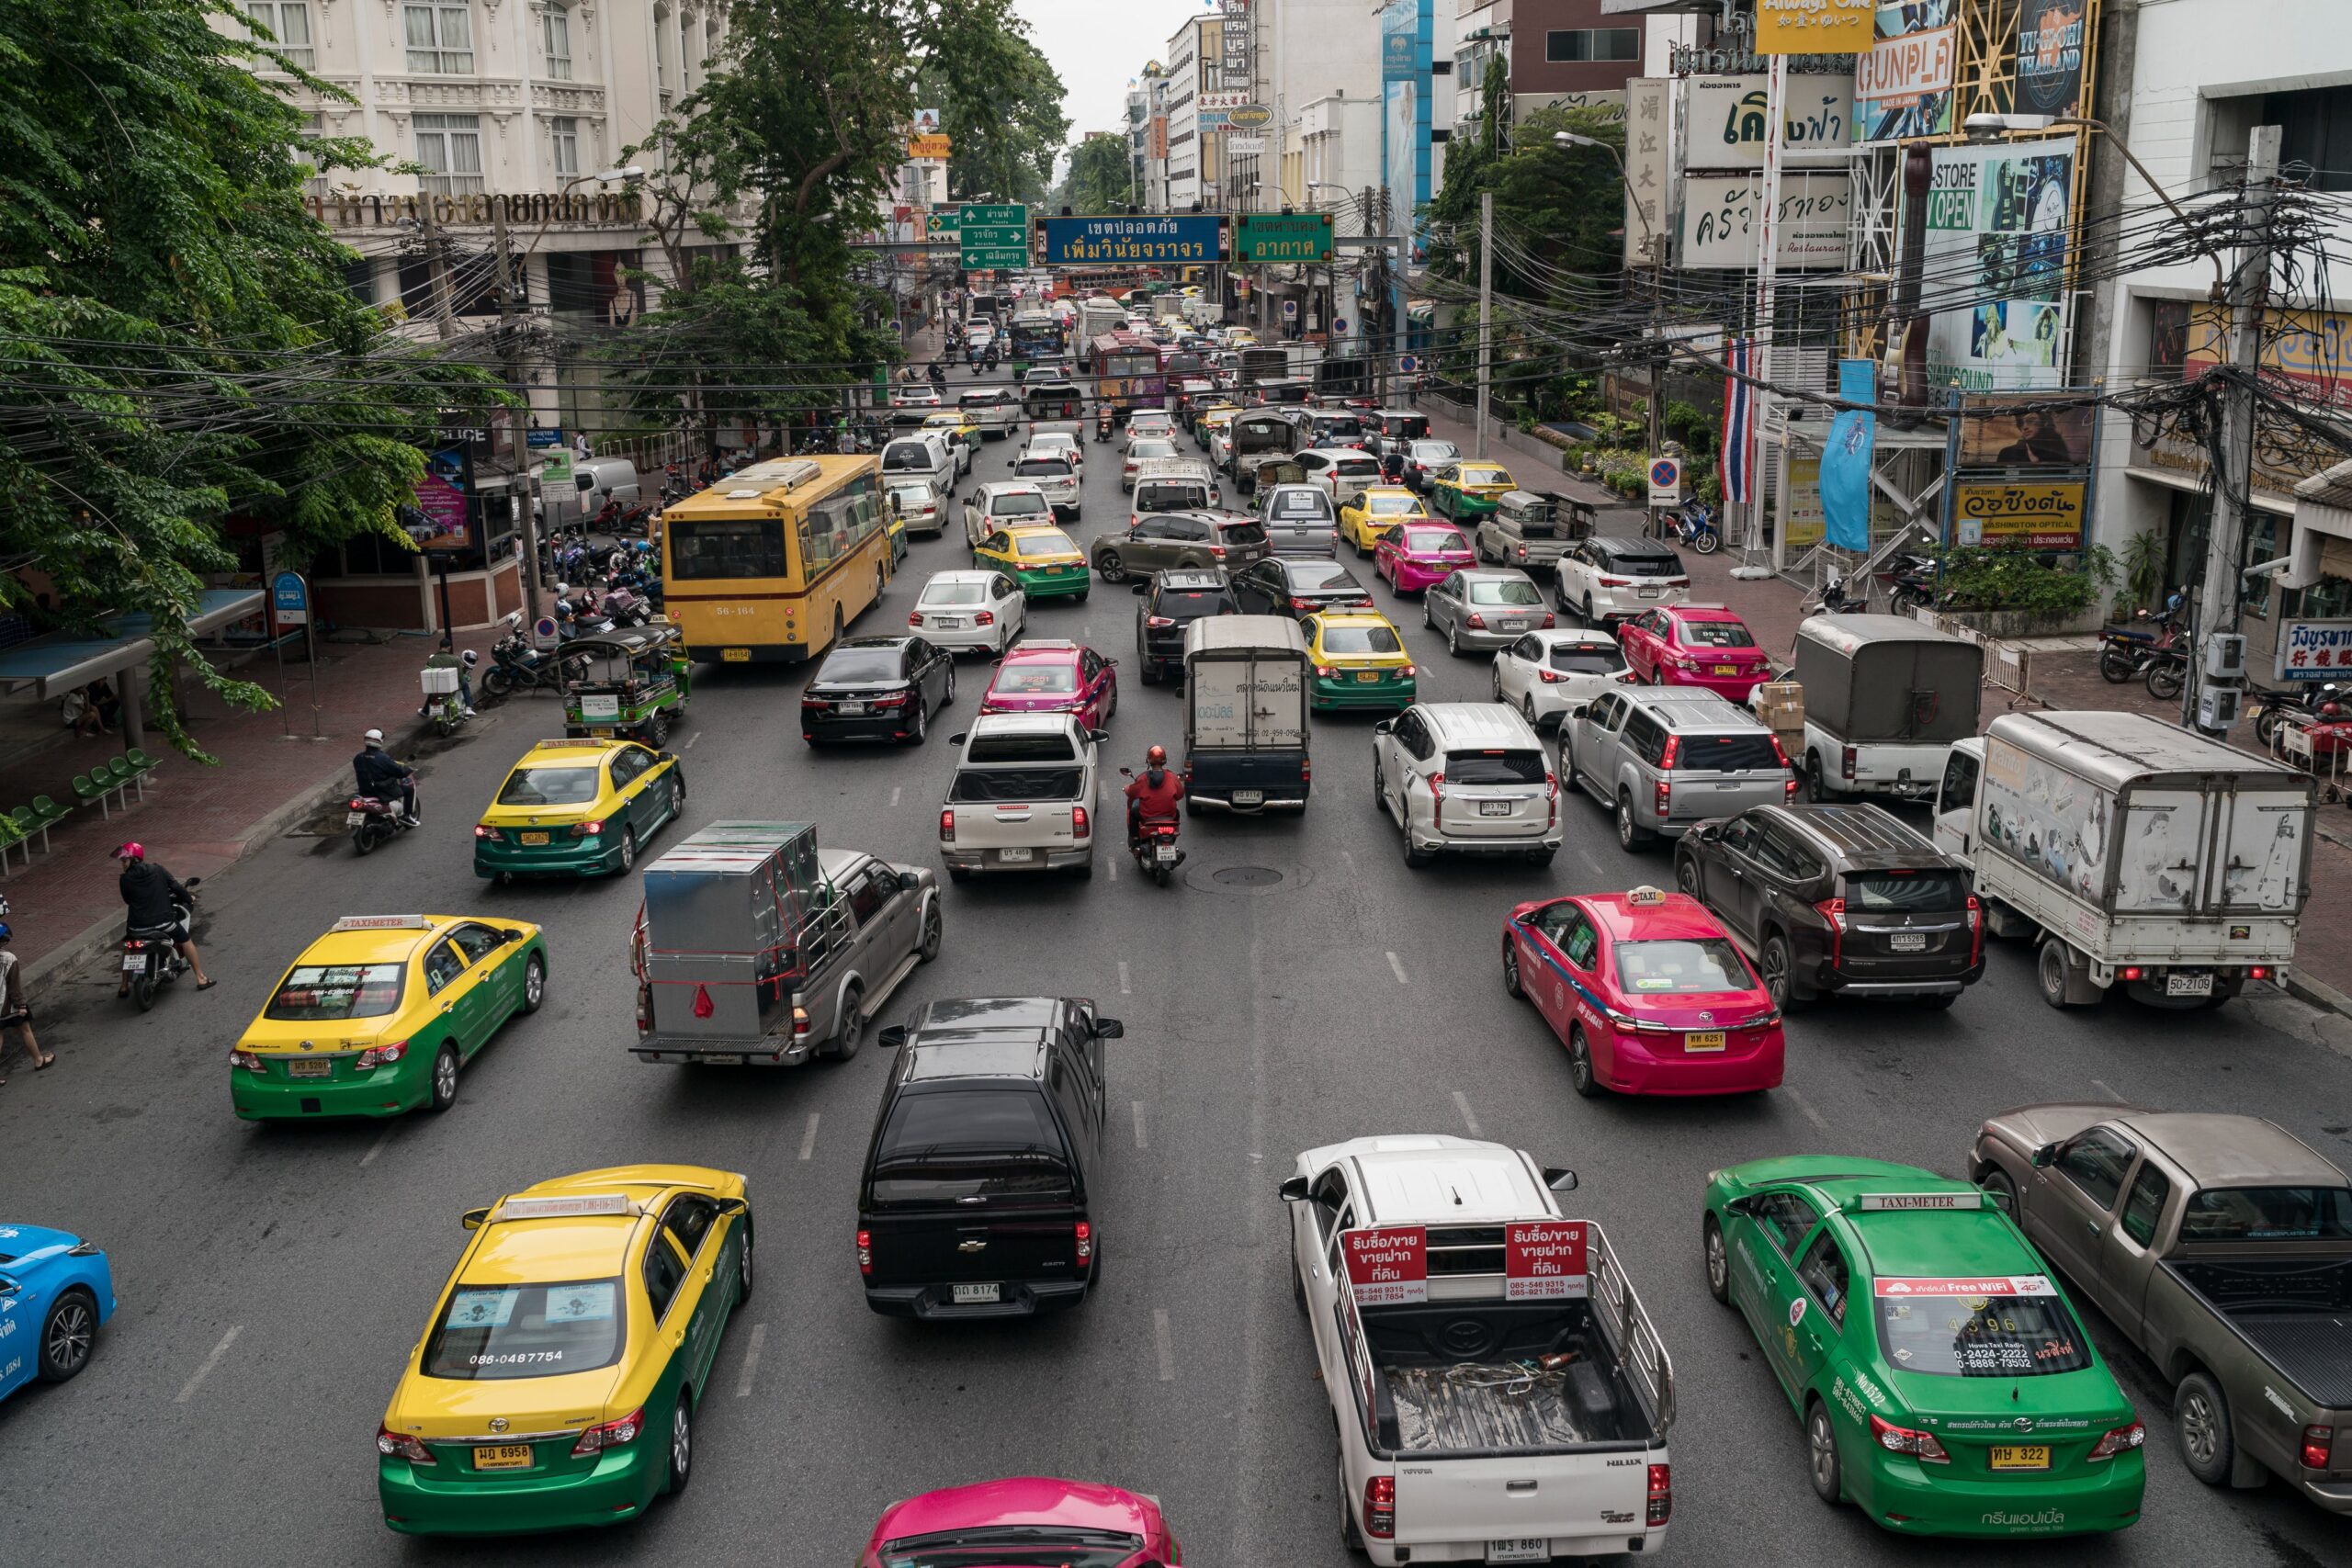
(1532, 843)
(931, 1303)
(751, 653)
(761, 1053)
(1351, 693)
(1042, 859)
(1731, 688)
(1944, 982)
(1565, 1547)
(1900, 1495)
(1055, 587)
(574, 857)
(1471, 636)
(620, 1485)
(384, 1091)
(1633, 1069)
(1410, 579)
(894, 726)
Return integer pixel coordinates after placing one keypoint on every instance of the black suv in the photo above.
(977, 1200)
(1171, 601)
(1838, 898)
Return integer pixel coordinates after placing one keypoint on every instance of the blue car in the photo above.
(55, 1290)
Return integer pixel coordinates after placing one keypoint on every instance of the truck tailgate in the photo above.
(1884, 761)
(1554, 1498)
(986, 825)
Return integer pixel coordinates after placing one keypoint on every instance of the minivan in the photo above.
(1467, 778)
(1300, 520)
(922, 455)
(1664, 758)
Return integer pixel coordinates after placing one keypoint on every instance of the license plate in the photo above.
(735, 655)
(852, 710)
(602, 732)
(2188, 984)
(1703, 1040)
(2027, 1456)
(504, 1456)
(1649, 592)
(1248, 797)
(535, 839)
(1527, 1549)
(723, 1059)
(309, 1069)
(354, 818)
(1013, 856)
(132, 962)
(948, 622)
(1727, 669)
(1495, 808)
(1907, 942)
(976, 1295)
(1167, 853)
(1368, 677)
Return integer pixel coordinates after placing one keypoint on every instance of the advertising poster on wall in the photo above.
(2022, 516)
(1995, 262)
(1813, 26)
(1719, 211)
(1904, 86)
(2050, 57)
(1724, 122)
(1998, 433)
(1802, 519)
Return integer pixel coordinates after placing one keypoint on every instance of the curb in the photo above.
(2318, 993)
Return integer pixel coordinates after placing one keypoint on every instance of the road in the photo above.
(272, 1278)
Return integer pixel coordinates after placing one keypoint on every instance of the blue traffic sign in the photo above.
(1148, 237)
(289, 599)
(1407, 363)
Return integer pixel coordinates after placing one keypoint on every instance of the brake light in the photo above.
(1781, 753)
(400, 1445)
(610, 1434)
(1664, 793)
(1661, 1495)
(248, 1060)
(2316, 1442)
(1551, 800)
(2258, 972)
(1302, 605)
(915, 619)
(1616, 582)
(1834, 911)
(1976, 930)
(1548, 622)
(815, 705)
(893, 699)
(644, 1009)
(1553, 677)
(1325, 671)
(1380, 1508)
(985, 618)
(1085, 1243)
(2131, 972)
(1673, 749)
(1409, 671)
(1080, 825)
(865, 1252)
(1437, 801)
(1846, 762)
(947, 826)
(1477, 622)
(1160, 622)
(1677, 582)
(382, 1055)
(2123, 1439)
(1894, 1439)
(1217, 550)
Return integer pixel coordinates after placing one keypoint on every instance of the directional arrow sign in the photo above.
(990, 256)
(994, 235)
(1014, 214)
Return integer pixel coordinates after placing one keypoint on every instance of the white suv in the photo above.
(1468, 778)
(1614, 578)
(1051, 472)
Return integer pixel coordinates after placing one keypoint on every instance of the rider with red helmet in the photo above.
(1154, 794)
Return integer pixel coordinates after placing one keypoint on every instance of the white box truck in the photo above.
(2134, 851)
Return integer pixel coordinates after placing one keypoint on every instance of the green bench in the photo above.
(113, 781)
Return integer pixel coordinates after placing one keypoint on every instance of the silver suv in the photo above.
(1665, 759)
(1467, 778)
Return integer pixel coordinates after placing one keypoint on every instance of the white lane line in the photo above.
(1350, 858)
(1461, 1103)
(1112, 866)
(1167, 1344)
(1143, 1139)
(210, 1362)
(751, 1360)
(690, 742)
(1127, 987)
(896, 790)
(1398, 965)
(378, 1147)
(1806, 1106)
(808, 1138)
(2108, 1090)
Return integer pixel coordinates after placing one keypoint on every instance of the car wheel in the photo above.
(1110, 568)
(928, 946)
(850, 1032)
(1527, 708)
(628, 850)
(1816, 787)
(1589, 619)
(67, 1336)
(1351, 1534)
(947, 695)
(1685, 876)
(1570, 778)
(2049, 971)
(2202, 1412)
(1379, 787)
(535, 983)
(1453, 641)
(1581, 1078)
(1711, 1238)
(1631, 836)
(445, 1078)
(743, 1272)
(1511, 986)
(1084, 870)
(960, 873)
(922, 730)
(1415, 856)
(1822, 1464)
(1997, 1180)
(682, 1444)
(1779, 969)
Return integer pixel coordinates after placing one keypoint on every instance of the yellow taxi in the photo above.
(557, 1384)
(1376, 510)
(1359, 661)
(578, 808)
(1468, 489)
(963, 436)
(1215, 406)
(377, 1016)
(1043, 560)
(1241, 337)
(1212, 419)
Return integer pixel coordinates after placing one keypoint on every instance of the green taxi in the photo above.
(1359, 662)
(1944, 1381)
(1468, 489)
(1041, 560)
(577, 808)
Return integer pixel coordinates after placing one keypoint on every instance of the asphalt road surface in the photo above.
(273, 1278)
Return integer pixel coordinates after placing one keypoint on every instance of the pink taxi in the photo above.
(1055, 676)
(1694, 645)
(1031, 1519)
(1647, 992)
(1411, 556)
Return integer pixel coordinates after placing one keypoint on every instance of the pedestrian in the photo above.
(580, 448)
(15, 1012)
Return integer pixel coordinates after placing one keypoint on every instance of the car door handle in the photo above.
(1519, 1486)
(449, 1007)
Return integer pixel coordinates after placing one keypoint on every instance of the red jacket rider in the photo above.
(1153, 795)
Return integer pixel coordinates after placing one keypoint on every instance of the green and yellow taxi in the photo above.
(1469, 488)
(1374, 512)
(379, 1016)
(1359, 661)
(1041, 558)
(963, 437)
(578, 808)
(557, 1384)
(1944, 1382)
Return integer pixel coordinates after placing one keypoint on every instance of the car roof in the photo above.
(584, 751)
(379, 939)
(1023, 1500)
(520, 1249)
(2220, 1150)
(1438, 1179)
(1043, 650)
(1006, 487)
(1580, 637)
(1471, 723)
(1627, 545)
(1351, 616)
(893, 639)
(1494, 574)
(962, 574)
(1847, 632)
(1021, 724)
(1693, 707)
(1702, 611)
(1860, 833)
(1026, 530)
(1679, 916)
(948, 1052)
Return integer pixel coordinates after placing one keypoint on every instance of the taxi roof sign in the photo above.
(566, 1208)
(382, 923)
(1877, 1203)
(1645, 896)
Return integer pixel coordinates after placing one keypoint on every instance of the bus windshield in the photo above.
(701, 548)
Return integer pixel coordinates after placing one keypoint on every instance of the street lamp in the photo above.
(1654, 254)
(1566, 138)
(1990, 127)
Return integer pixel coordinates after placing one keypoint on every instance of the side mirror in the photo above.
(956, 741)
(1558, 1179)
(1293, 1190)
(2046, 1155)
(1098, 736)
(1580, 710)
(730, 1207)
(473, 1219)
(893, 1037)
(665, 756)
(1109, 1029)
(584, 481)
(909, 882)
(1383, 726)
(510, 934)
(1140, 588)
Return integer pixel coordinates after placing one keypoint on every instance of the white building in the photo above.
(1300, 51)
(1338, 138)
(1192, 158)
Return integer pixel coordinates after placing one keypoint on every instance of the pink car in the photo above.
(1055, 676)
(1694, 645)
(1413, 555)
(1031, 1519)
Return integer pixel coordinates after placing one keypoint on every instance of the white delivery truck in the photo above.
(1885, 698)
(2134, 851)
(1499, 1393)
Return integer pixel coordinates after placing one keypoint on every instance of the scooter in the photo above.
(516, 666)
(1105, 424)
(1154, 847)
(151, 954)
(374, 819)
(1695, 526)
(2273, 711)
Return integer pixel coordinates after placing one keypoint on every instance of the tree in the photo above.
(1100, 178)
(1002, 109)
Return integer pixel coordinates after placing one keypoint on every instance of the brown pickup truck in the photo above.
(2222, 1247)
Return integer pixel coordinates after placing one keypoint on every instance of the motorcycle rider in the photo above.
(1105, 419)
(383, 778)
(155, 898)
(1153, 795)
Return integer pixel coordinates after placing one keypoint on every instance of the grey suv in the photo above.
(1162, 540)
(1665, 759)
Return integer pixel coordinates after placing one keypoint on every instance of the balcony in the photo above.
(461, 94)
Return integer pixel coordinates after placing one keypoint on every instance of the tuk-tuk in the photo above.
(626, 683)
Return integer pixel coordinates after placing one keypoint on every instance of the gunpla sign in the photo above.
(1150, 237)
(1283, 237)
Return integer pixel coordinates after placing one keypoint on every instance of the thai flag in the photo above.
(1738, 460)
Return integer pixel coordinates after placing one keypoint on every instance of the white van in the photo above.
(606, 478)
(921, 455)
(1171, 484)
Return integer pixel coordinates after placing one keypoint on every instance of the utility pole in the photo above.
(510, 349)
(436, 267)
(1485, 307)
(1658, 375)
(1382, 343)
(2220, 586)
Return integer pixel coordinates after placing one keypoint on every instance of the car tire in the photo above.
(1570, 778)
(1453, 641)
(1589, 619)
(2049, 972)
(1716, 1258)
(1298, 1288)
(628, 852)
(535, 984)
(1512, 985)
(1777, 965)
(922, 730)
(850, 1034)
(1686, 876)
(2202, 1418)
(68, 1335)
(1823, 1467)
(1084, 870)
(1542, 857)
(1110, 568)
(1939, 1003)
(1995, 1179)
(1415, 856)
(745, 1273)
(1582, 1076)
(444, 1090)
(960, 873)
(1816, 787)
(1632, 837)
(681, 1445)
(948, 692)
(1351, 1533)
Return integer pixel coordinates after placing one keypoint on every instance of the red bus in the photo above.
(1127, 372)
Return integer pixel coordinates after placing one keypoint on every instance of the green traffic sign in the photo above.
(1283, 237)
(939, 225)
(991, 257)
(1013, 214)
(994, 234)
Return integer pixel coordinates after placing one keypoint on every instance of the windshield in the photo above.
(1150, 446)
(1900, 892)
(1716, 634)
(1355, 467)
(1680, 967)
(1011, 1546)
(1434, 541)
(1171, 496)
(325, 992)
(1032, 680)
(1588, 659)
(859, 664)
(945, 1146)
(1044, 545)
(975, 786)
(1392, 505)
(955, 593)
(1311, 506)
(701, 548)
(1435, 451)
(2008, 1327)
(1508, 591)
(1740, 751)
(1361, 639)
(1053, 746)
(907, 455)
(912, 498)
(526, 1331)
(1494, 768)
(2268, 1213)
(1647, 565)
(550, 787)
(1023, 505)
(1474, 474)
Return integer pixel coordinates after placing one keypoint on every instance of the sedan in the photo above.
(914, 395)
(1648, 993)
(1419, 553)
(1423, 459)
(877, 688)
(1695, 645)
(1378, 510)
(1141, 450)
(1291, 585)
(919, 506)
(1546, 673)
(1484, 608)
(962, 611)
(1078, 1523)
(57, 1289)
(1055, 676)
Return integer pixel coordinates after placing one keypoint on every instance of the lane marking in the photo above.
(210, 1362)
(1804, 1105)
(378, 1147)
(1167, 1344)
(690, 742)
(1348, 857)
(2108, 1090)
(1398, 965)
(1111, 865)
(895, 791)
(1126, 988)
(751, 1360)
(1461, 1103)
(1143, 1140)
(808, 1138)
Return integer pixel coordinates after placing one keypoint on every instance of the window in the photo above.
(948, 1144)
(526, 1331)
(1671, 966)
(725, 547)
(2268, 1213)
(1784, 1217)
(549, 786)
(449, 146)
(477, 942)
(1646, 737)
(2096, 1162)
(664, 1272)
(1960, 782)
(688, 1220)
(441, 966)
(2147, 1205)
(555, 33)
(563, 136)
(1825, 1276)
(289, 22)
(1578, 46)
(2317, 127)
(662, 62)
(865, 897)
(1930, 1325)
(440, 40)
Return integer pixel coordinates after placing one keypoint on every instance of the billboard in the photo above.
(935, 146)
(1719, 211)
(1724, 123)
(1405, 56)
(2314, 651)
(2029, 516)
(1148, 238)
(1996, 433)
(1904, 86)
(1813, 26)
(1649, 165)
(2051, 34)
(1998, 220)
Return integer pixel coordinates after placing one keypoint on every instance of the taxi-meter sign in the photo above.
(1544, 1260)
(1388, 1266)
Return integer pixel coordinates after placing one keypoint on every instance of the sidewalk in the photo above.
(198, 819)
(2058, 678)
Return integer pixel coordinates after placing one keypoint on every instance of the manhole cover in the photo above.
(1249, 876)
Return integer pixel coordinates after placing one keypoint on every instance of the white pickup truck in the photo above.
(1022, 797)
(1499, 1395)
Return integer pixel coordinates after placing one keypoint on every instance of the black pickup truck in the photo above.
(982, 1179)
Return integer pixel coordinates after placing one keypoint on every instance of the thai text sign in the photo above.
(1388, 1266)
(1544, 1260)
(1161, 237)
(937, 146)
(2315, 650)
(2036, 517)
(1725, 120)
(1814, 27)
(1282, 236)
(1720, 212)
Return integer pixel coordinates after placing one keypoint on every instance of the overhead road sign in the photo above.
(993, 235)
(1008, 213)
(940, 226)
(1146, 238)
(1283, 237)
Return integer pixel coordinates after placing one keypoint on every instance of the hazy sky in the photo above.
(1097, 45)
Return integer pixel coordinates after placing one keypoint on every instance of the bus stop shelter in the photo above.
(61, 663)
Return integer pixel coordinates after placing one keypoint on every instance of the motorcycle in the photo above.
(516, 666)
(2167, 668)
(2273, 711)
(1695, 526)
(1104, 425)
(1154, 845)
(623, 608)
(2125, 652)
(1910, 581)
(1835, 600)
(151, 954)
(444, 703)
(376, 819)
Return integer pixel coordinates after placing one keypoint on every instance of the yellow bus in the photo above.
(771, 563)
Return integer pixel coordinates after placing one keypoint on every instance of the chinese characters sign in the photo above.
(2315, 650)
(1164, 237)
(1814, 27)
(1648, 166)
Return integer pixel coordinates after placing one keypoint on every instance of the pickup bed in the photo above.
(1022, 798)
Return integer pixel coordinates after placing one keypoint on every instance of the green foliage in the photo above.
(1567, 203)
(2144, 572)
(1982, 578)
(1691, 426)
(1100, 178)
(1000, 100)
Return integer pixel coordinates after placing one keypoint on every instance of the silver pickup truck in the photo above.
(2222, 1247)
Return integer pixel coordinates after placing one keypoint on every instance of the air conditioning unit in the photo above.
(2225, 656)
